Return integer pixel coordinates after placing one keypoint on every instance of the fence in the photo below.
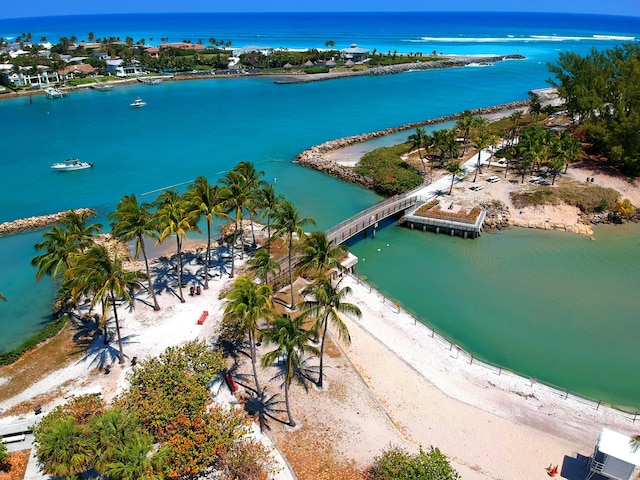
(450, 345)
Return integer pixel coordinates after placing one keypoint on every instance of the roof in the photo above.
(618, 445)
(355, 49)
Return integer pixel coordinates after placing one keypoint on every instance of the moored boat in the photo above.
(71, 164)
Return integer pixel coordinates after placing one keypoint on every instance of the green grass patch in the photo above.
(47, 332)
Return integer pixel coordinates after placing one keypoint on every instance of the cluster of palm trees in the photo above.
(250, 307)
(73, 253)
(528, 147)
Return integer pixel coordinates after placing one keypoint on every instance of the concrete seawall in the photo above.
(42, 221)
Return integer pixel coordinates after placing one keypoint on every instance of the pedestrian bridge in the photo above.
(371, 217)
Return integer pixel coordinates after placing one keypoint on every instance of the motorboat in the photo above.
(71, 164)
(137, 103)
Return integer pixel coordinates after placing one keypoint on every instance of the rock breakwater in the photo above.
(316, 157)
(36, 223)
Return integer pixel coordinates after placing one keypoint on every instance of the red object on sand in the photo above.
(231, 383)
(203, 317)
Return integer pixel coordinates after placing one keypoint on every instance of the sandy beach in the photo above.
(396, 383)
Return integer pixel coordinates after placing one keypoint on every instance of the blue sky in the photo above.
(35, 8)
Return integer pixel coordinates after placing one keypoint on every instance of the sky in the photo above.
(37, 8)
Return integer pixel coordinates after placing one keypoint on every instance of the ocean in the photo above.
(555, 306)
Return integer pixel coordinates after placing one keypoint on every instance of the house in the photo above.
(100, 55)
(73, 71)
(22, 79)
(354, 53)
(119, 69)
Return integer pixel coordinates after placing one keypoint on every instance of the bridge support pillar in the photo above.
(437, 229)
(373, 232)
(452, 233)
(424, 227)
(465, 234)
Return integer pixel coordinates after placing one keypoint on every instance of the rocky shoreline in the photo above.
(400, 68)
(42, 221)
(316, 156)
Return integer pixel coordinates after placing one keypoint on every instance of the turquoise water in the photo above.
(558, 307)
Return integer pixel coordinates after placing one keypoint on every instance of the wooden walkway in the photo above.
(370, 217)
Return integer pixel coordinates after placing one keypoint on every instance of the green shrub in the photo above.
(312, 70)
(4, 458)
(396, 463)
(390, 174)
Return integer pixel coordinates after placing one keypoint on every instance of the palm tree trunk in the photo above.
(478, 166)
(156, 307)
(269, 234)
(292, 422)
(452, 180)
(252, 341)
(293, 300)
(233, 243)
(115, 316)
(180, 267)
(207, 256)
(324, 334)
(253, 233)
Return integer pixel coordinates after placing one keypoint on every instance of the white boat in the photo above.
(138, 103)
(71, 164)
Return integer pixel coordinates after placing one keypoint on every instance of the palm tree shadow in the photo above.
(102, 355)
(263, 408)
(165, 277)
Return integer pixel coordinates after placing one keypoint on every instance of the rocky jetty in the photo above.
(452, 62)
(497, 215)
(316, 157)
(36, 223)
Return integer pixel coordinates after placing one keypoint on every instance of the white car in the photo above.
(475, 188)
(493, 179)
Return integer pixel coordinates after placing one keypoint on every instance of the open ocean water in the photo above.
(558, 307)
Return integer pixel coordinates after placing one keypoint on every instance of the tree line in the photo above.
(601, 93)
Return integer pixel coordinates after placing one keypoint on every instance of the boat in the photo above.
(54, 93)
(138, 103)
(71, 164)
(101, 87)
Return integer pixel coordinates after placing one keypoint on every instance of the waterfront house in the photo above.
(354, 53)
(119, 69)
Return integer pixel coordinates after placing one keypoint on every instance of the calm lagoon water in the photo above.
(558, 307)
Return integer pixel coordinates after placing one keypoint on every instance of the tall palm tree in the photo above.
(104, 277)
(248, 304)
(292, 342)
(269, 202)
(289, 225)
(206, 200)
(264, 266)
(481, 141)
(254, 183)
(317, 255)
(454, 168)
(326, 305)
(465, 123)
(173, 217)
(235, 195)
(59, 246)
(134, 221)
(77, 226)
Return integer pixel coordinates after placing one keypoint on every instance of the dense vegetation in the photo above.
(397, 464)
(602, 93)
(390, 174)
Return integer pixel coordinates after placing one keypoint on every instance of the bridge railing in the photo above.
(364, 219)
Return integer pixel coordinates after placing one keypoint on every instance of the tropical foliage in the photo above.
(601, 93)
(396, 463)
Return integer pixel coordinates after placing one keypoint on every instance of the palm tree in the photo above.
(206, 200)
(134, 460)
(326, 306)
(77, 226)
(173, 217)
(248, 304)
(481, 140)
(292, 343)
(269, 202)
(464, 124)
(59, 246)
(254, 184)
(288, 225)
(235, 197)
(317, 255)
(454, 168)
(264, 266)
(97, 273)
(133, 221)
(64, 449)
(112, 429)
